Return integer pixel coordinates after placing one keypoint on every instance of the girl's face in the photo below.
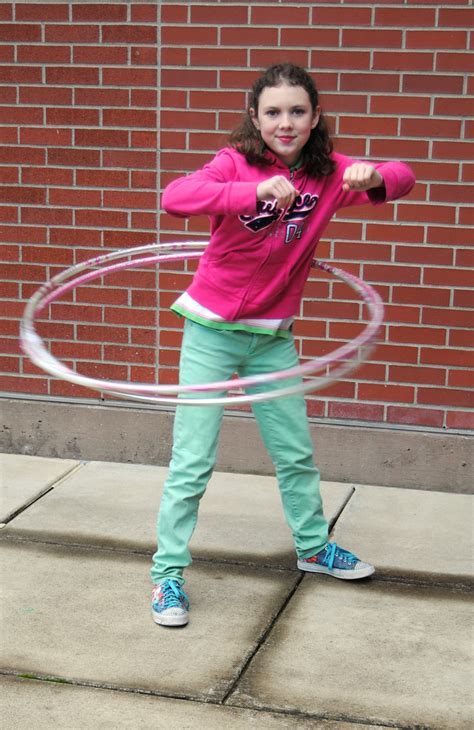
(285, 119)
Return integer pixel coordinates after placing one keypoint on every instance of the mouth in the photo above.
(286, 139)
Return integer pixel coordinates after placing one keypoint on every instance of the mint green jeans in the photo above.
(210, 355)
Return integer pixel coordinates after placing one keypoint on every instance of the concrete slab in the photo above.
(408, 533)
(381, 652)
(44, 705)
(115, 505)
(24, 478)
(84, 615)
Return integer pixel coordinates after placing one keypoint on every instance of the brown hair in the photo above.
(248, 140)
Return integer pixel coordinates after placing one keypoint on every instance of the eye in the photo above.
(271, 113)
(299, 112)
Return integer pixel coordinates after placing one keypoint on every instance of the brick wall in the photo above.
(79, 163)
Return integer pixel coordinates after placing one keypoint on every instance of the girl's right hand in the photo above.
(278, 188)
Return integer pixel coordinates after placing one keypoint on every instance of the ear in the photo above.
(316, 115)
(253, 117)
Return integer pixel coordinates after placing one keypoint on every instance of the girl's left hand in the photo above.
(361, 176)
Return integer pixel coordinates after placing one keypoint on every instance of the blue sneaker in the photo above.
(169, 604)
(335, 561)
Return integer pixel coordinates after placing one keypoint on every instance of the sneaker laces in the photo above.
(171, 595)
(333, 551)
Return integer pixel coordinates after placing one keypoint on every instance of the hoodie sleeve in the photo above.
(398, 181)
(212, 190)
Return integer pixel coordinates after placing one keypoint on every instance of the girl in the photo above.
(269, 195)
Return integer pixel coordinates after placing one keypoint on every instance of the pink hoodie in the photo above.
(257, 261)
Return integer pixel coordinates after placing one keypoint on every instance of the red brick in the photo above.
(20, 74)
(129, 34)
(144, 139)
(71, 75)
(144, 97)
(405, 17)
(8, 214)
(21, 234)
(341, 16)
(9, 135)
(144, 55)
(20, 115)
(42, 95)
(460, 419)
(108, 12)
(428, 213)
(43, 54)
(129, 159)
(98, 98)
(303, 37)
(45, 137)
(175, 56)
(189, 78)
(386, 393)
(102, 333)
(100, 138)
(74, 197)
(413, 105)
(404, 234)
(137, 317)
(447, 277)
(434, 38)
(6, 11)
(73, 157)
(47, 216)
(418, 335)
(20, 384)
(98, 55)
(106, 218)
(129, 77)
(423, 254)
(456, 17)
(454, 62)
(462, 338)
(399, 61)
(446, 397)
(72, 33)
(371, 38)
(445, 356)
(227, 15)
(465, 257)
(460, 379)
(432, 84)
(430, 128)
(48, 255)
(128, 199)
(179, 35)
(174, 13)
(369, 82)
(143, 13)
(22, 32)
(9, 175)
(435, 170)
(397, 274)
(129, 118)
(450, 236)
(463, 298)
(46, 176)
(429, 296)
(449, 107)
(144, 179)
(218, 56)
(21, 194)
(415, 416)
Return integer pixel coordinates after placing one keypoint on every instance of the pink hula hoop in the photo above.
(334, 365)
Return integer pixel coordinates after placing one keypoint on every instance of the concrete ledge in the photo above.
(363, 454)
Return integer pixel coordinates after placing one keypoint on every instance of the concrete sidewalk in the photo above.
(266, 646)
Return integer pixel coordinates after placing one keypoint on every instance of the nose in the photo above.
(285, 121)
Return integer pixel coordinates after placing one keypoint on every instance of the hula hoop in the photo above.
(345, 358)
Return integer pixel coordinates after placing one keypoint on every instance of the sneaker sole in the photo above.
(170, 620)
(335, 572)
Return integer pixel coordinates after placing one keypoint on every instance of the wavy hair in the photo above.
(248, 140)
